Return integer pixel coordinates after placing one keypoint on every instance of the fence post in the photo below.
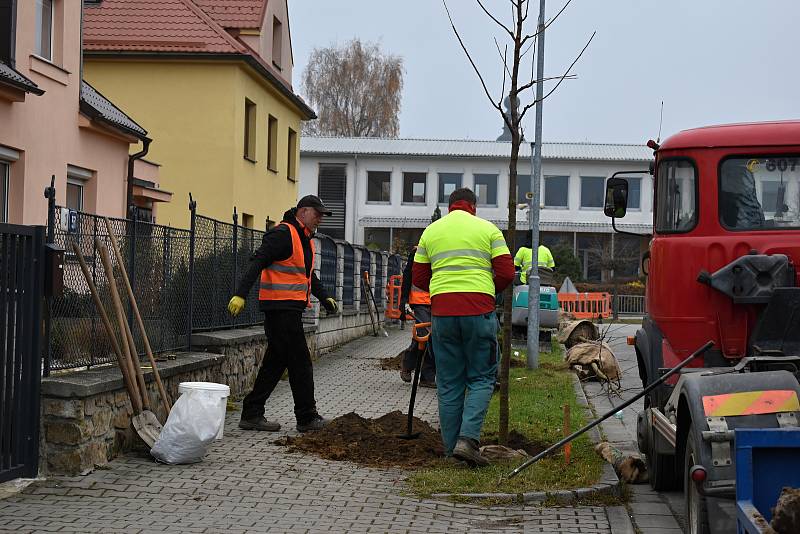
(132, 266)
(235, 250)
(190, 289)
(50, 195)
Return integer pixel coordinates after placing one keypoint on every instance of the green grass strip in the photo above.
(536, 410)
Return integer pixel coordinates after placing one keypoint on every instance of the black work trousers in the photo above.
(423, 314)
(286, 349)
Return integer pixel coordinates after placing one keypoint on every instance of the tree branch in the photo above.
(497, 106)
(547, 25)
(504, 57)
(560, 78)
(488, 14)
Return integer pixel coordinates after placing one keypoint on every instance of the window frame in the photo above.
(475, 176)
(602, 195)
(250, 111)
(656, 230)
(5, 180)
(379, 202)
(277, 39)
(39, 27)
(272, 143)
(440, 201)
(79, 183)
(565, 206)
(719, 188)
(424, 195)
(291, 156)
(641, 181)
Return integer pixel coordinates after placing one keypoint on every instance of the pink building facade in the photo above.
(52, 123)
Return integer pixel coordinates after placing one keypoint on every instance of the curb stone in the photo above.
(609, 483)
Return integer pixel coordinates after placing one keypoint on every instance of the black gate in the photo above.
(21, 293)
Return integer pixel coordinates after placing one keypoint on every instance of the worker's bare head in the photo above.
(464, 194)
(310, 210)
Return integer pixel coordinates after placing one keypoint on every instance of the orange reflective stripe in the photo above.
(751, 403)
(419, 296)
(286, 279)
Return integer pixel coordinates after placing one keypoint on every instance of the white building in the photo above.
(384, 191)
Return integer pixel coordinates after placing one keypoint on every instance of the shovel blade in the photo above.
(147, 426)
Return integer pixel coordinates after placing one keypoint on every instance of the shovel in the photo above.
(422, 352)
(144, 421)
(371, 298)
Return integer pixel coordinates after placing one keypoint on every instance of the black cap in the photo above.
(313, 201)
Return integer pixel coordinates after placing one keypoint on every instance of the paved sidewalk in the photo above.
(652, 512)
(246, 484)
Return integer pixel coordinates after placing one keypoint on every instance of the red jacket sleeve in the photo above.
(421, 275)
(503, 267)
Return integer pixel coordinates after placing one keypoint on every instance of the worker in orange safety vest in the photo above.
(416, 301)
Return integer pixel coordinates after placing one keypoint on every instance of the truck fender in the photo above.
(649, 359)
(685, 407)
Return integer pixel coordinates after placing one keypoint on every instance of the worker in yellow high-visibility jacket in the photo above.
(524, 260)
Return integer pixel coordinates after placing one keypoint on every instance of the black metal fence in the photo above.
(182, 281)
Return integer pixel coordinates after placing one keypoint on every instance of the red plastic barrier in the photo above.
(586, 305)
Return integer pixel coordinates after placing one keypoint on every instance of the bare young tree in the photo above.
(356, 90)
(519, 88)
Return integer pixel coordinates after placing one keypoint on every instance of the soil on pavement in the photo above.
(372, 442)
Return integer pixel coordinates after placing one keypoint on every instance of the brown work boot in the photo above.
(467, 450)
(259, 423)
(405, 376)
(427, 384)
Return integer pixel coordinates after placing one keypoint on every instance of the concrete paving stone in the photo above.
(655, 521)
(651, 508)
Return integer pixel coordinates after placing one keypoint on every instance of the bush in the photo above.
(566, 263)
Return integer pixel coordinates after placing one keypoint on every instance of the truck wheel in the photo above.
(694, 504)
(662, 468)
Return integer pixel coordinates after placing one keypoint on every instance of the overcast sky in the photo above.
(710, 61)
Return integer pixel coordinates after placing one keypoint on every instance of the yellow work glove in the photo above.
(236, 305)
(330, 305)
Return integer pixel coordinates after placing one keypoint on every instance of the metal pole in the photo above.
(50, 195)
(533, 211)
(190, 291)
(234, 251)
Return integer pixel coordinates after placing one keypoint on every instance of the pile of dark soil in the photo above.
(371, 442)
(393, 363)
(518, 441)
(786, 514)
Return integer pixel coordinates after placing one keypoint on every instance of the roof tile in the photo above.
(234, 13)
(156, 26)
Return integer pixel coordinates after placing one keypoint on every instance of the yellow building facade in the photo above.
(227, 123)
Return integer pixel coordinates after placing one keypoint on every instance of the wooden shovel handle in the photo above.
(122, 322)
(121, 361)
(162, 391)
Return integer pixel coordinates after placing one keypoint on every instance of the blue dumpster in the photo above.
(767, 459)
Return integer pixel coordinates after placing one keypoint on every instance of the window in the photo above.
(272, 143)
(44, 29)
(414, 187)
(486, 189)
(379, 185)
(556, 191)
(448, 182)
(592, 191)
(74, 194)
(277, 42)
(249, 130)
(5, 171)
(523, 187)
(676, 201)
(291, 166)
(7, 37)
(760, 193)
(247, 220)
(634, 193)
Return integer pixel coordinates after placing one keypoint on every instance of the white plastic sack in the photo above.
(192, 425)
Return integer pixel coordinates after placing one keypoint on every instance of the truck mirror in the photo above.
(616, 203)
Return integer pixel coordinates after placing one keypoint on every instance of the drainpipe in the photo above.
(133, 157)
